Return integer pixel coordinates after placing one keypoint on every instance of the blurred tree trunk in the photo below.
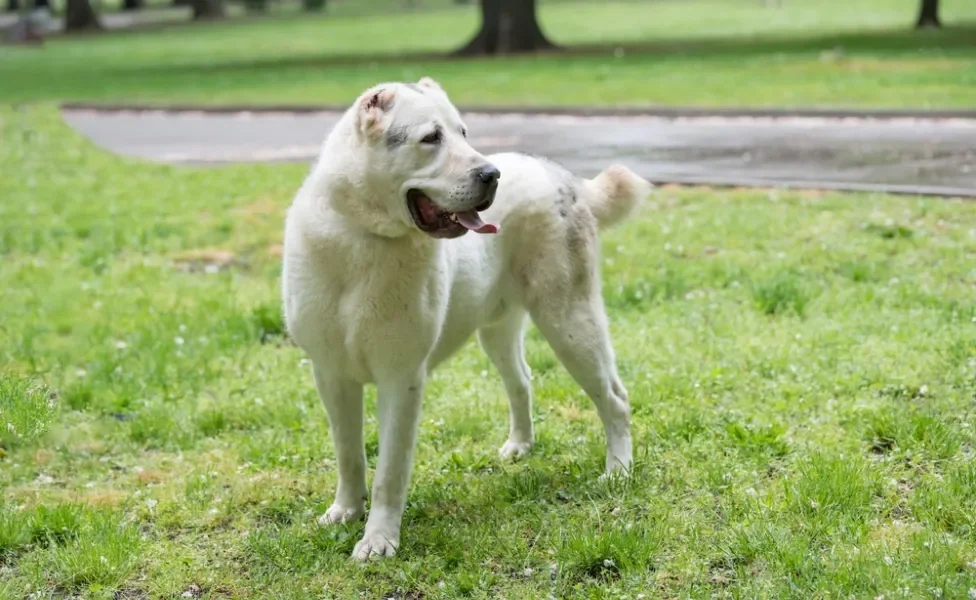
(208, 9)
(131, 4)
(42, 4)
(13, 5)
(79, 16)
(507, 27)
(928, 15)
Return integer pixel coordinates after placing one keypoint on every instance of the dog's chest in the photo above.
(367, 311)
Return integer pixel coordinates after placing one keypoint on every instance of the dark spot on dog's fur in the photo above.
(396, 137)
(565, 198)
(374, 100)
(563, 180)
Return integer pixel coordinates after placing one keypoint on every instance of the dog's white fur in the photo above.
(372, 299)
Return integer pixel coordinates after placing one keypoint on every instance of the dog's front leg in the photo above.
(343, 402)
(399, 400)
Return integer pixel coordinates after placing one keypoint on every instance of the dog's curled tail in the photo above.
(615, 193)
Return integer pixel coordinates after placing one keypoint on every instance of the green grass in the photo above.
(695, 52)
(802, 384)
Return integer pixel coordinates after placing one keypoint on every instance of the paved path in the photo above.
(908, 155)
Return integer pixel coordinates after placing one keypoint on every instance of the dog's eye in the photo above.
(433, 137)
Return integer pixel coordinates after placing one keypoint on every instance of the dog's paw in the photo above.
(514, 450)
(375, 544)
(616, 472)
(342, 514)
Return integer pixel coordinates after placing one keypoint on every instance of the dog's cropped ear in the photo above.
(373, 106)
(427, 82)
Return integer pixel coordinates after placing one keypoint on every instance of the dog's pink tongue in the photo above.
(472, 221)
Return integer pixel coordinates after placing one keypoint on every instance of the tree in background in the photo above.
(80, 16)
(208, 9)
(313, 5)
(13, 5)
(132, 4)
(507, 27)
(928, 15)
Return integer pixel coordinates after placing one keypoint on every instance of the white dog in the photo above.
(381, 283)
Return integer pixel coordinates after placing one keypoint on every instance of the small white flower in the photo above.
(121, 345)
(972, 593)
(103, 560)
(11, 428)
(527, 572)
(888, 560)
(178, 341)
(608, 563)
(81, 373)
(211, 269)
(259, 401)
(182, 328)
(924, 390)
(151, 503)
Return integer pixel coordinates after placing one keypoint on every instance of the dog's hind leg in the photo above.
(503, 343)
(578, 334)
(343, 402)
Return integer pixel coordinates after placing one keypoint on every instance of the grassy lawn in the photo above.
(802, 368)
(695, 52)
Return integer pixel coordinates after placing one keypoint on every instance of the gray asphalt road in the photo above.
(926, 156)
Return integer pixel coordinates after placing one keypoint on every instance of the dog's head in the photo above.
(418, 159)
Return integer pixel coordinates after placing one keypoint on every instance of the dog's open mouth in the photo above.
(441, 223)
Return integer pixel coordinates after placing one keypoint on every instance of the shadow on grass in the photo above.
(960, 38)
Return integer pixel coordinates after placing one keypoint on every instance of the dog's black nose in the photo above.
(489, 173)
